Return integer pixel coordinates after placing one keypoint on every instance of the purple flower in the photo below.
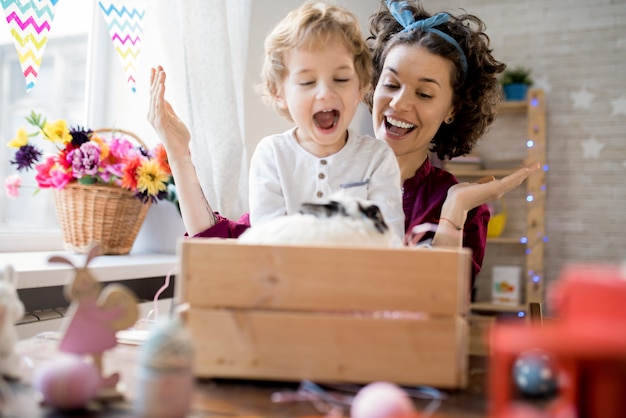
(85, 160)
(26, 156)
(80, 135)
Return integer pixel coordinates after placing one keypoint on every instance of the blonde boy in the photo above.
(317, 70)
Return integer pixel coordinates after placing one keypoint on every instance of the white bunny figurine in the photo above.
(11, 310)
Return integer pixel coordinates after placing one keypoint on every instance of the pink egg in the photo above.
(67, 382)
(382, 400)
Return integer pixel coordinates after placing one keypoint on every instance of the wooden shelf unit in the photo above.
(532, 239)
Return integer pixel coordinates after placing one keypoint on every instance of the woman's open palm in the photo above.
(470, 195)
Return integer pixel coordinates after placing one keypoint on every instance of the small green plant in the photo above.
(516, 75)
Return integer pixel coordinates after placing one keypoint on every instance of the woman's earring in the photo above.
(449, 120)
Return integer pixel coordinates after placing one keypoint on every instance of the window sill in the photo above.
(34, 271)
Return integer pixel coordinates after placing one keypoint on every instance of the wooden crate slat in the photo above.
(221, 273)
(327, 347)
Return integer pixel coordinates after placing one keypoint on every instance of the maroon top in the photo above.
(423, 198)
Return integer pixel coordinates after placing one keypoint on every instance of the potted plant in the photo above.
(515, 83)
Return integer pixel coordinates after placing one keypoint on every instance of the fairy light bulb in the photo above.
(530, 143)
(530, 198)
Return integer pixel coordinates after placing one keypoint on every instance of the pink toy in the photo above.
(67, 382)
(382, 400)
(95, 316)
(11, 310)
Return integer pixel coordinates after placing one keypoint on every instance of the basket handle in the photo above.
(121, 131)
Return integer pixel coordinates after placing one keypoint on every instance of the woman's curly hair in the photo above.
(476, 93)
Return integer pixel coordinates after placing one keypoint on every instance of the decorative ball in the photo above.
(67, 382)
(535, 373)
(382, 400)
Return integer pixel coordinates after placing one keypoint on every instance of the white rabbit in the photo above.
(342, 221)
(11, 310)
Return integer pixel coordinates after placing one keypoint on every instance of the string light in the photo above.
(530, 143)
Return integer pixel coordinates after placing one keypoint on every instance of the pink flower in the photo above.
(51, 174)
(12, 186)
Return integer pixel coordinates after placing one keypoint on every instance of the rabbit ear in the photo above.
(9, 275)
(116, 296)
(60, 259)
(93, 252)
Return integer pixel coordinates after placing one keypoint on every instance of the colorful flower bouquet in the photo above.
(103, 182)
(86, 157)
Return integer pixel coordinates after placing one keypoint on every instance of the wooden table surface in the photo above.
(218, 397)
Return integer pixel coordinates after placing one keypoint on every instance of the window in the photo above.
(59, 92)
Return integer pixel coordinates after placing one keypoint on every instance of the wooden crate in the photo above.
(479, 326)
(326, 313)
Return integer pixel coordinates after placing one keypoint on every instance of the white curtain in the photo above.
(206, 45)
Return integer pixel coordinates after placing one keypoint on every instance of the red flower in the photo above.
(129, 179)
(161, 156)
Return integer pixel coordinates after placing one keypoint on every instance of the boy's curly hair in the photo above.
(476, 94)
(313, 25)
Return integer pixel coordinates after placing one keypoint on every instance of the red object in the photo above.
(588, 337)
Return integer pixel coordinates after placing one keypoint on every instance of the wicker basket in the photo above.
(100, 213)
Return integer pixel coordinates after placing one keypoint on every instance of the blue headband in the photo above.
(408, 22)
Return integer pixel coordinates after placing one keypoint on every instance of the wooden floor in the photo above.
(227, 398)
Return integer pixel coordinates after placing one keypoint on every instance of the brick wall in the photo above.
(572, 46)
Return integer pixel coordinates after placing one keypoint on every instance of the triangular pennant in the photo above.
(29, 22)
(125, 27)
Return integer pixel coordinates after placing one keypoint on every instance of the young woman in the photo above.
(436, 90)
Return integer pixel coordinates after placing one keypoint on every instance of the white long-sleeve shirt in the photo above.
(283, 175)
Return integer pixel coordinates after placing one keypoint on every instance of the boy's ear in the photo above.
(282, 103)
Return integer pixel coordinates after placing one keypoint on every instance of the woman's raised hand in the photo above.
(161, 115)
(195, 209)
(463, 197)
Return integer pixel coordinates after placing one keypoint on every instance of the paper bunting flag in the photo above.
(29, 22)
(125, 27)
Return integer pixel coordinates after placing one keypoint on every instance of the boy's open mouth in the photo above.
(397, 127)
(326, 119)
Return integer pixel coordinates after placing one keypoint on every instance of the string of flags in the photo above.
(30, 22)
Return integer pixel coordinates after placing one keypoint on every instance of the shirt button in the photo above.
(320, 194)
(321, 176)
(323, 162)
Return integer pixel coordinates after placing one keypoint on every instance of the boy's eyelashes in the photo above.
(312, 82)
